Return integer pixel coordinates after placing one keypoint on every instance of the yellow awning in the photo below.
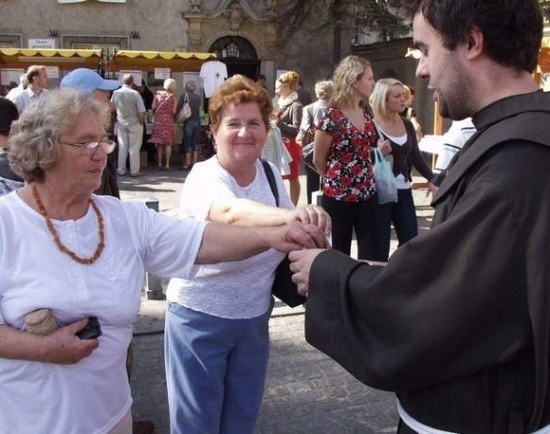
(22, 57)
(124, 59)
(148, 60)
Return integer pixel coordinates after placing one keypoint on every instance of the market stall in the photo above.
(24, 57)
(176, 61)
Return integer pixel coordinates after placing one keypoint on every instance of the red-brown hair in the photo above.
(236, 90)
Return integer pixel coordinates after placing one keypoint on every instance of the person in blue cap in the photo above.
(95, 86)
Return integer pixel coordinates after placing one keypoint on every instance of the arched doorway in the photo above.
(238, 54)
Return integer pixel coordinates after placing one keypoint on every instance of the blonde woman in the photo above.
(164, 134)
(289, 110)
(388, 102)
(342, 155)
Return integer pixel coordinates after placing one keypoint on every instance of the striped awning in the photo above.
(148, 60)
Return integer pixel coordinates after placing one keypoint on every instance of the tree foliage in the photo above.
(545, 8)
(376, 17)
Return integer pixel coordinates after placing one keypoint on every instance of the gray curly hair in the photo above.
(34, 138)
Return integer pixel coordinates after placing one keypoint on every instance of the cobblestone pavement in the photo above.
(306, 391)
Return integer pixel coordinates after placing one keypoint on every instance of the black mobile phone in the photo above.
(92, 330)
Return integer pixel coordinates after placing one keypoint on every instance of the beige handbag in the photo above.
(40, 322)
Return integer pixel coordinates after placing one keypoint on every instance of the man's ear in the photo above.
(474, 43)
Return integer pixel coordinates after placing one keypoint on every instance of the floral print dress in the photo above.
(164, 132)
(349, 175)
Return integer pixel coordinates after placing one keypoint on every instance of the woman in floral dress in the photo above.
(164, 134)
(342, 154)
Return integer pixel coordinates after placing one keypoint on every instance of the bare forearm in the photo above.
(321, 147)
(223, 243)
(62, 346)
(15, 344)
(244, 212)
(320, 163)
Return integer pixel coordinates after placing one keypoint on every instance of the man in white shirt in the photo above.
(37, 77)
(23, 83)
(130, 112)
(453, 141)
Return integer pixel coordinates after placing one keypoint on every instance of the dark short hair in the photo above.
(8, 114)
(512, 28)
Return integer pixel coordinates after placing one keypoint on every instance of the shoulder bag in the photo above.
(384, 178)
(307, 141)
(283, 287)
(185, 111)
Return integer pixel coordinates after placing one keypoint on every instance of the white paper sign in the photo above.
(41, 43)
(162, 73)
(9, 75)
(133, 73)
(52, 71)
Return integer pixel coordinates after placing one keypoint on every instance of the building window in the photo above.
(8, 40)
(233, 47)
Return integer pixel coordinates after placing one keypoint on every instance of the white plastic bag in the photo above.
(275, 150)
(384, 178)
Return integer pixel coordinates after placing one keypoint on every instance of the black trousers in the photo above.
(367, 219)
(313, 181)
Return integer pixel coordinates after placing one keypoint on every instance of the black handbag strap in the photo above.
(271, 180)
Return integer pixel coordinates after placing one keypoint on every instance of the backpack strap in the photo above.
(271, 180)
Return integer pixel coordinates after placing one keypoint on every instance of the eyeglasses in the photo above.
(91, 146)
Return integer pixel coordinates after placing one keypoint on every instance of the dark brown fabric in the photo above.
(458, 322)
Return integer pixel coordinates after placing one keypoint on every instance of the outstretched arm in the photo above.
(245, 212)
(221, 243)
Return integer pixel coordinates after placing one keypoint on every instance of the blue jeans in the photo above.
(215, 371)
(403, 216)
(191, 136)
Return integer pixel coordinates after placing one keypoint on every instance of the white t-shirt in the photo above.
(453, 141)
(213, 73)
(25, 98)
(92, 395)
(237, 290)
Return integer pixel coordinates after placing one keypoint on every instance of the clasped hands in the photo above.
(307, 228)
(317, 225)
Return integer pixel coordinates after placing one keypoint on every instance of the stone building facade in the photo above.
(243, 33)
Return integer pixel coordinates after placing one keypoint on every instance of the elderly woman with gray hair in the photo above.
(311, 116)
(164, 133)
(71, 257)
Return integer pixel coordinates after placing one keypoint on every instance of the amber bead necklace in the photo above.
(57, 240)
